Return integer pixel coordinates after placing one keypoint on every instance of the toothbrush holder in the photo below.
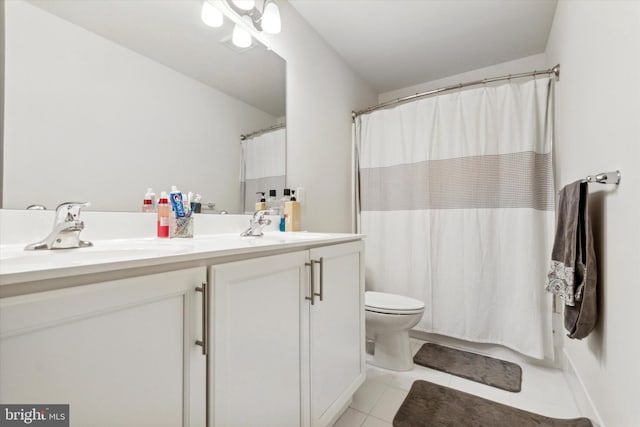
(181, 227)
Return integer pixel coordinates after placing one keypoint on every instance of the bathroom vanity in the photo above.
(217, 330)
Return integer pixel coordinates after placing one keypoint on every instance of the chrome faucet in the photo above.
(66, 229)
(256, 224)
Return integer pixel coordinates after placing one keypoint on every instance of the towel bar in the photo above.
(605, 178)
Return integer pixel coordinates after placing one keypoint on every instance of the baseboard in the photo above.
(578, 390)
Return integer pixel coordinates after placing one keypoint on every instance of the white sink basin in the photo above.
(101, 252)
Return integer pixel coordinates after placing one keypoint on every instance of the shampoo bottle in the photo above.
(163, 215)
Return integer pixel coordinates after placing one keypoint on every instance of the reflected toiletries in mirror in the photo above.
(106, 98)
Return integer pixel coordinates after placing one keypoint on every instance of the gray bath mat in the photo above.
(432, 405)
(474, 367)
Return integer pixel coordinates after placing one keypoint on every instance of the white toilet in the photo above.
(388, 320)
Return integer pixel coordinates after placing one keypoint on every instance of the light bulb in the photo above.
(271, 19)
(210, 15)
(244, 4)
(241, 37)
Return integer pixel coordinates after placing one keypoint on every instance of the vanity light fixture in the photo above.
(271, 23)
(264, 14)
(241, 37)
(244, 4)
(211, 15)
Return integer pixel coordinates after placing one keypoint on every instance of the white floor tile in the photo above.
(546, 385)
(389, 404)
(368, 395)
(547, 409)
(405, 379)
(351, 418)
(375, 422)
(544, 389)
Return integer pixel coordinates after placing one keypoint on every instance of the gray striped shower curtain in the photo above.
(457, 200)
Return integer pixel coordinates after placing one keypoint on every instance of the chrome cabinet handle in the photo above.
(321, 262)
(312, 287)
(204, 343)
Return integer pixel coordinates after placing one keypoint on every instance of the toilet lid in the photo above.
(391, 303)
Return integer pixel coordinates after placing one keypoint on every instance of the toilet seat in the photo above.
(381, 302)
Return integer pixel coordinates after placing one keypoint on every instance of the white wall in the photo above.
(597, 44)
(1, 96)
(522, 65)
(321, 93)
(89, 120)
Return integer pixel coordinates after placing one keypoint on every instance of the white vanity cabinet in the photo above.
(120, 353)
(276, 358)
(336, 329)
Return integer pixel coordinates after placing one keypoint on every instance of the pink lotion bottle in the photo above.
(163, 215)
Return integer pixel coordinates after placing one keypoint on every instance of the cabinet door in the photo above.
(337, 330)
(120, 353)
(259, 316)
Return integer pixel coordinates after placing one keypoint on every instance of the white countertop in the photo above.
(18, 266)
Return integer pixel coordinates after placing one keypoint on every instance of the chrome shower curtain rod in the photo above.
(261, 131)
(555, 71)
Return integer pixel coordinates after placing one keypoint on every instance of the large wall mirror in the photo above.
(105, 98)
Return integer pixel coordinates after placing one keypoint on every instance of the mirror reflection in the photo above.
(263, 165)
(106, 98)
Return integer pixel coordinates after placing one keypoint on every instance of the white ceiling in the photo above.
(398, 43)
(172, 33)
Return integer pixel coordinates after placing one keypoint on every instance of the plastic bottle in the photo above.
(148, 204)
(272, 202)
(292, 214)
(281, 206)
(163, 215)
(262, 204)
(286, 195)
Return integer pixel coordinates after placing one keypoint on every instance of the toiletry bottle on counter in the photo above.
(262, 204)
(148, 204)
(286, 195)
(163, 215)
(272, 202)
(283, 202)
(292, 214)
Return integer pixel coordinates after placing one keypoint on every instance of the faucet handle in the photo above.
(69, 211)
(259, 215)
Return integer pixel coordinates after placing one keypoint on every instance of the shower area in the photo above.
(263, 164)
(455, 192)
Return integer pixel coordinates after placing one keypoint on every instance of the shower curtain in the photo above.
(263, 166)
(456, 200)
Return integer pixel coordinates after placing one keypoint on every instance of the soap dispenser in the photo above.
(272, 202)
(261, 205)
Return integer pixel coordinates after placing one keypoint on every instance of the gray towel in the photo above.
(561, 277)
(573, 263)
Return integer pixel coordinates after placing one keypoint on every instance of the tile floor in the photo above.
(544, 390)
